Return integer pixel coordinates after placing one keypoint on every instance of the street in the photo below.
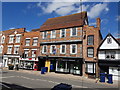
(26, 81)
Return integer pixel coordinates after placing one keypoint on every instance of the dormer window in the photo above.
(109, 40)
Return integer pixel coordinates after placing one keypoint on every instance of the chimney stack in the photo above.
(98, 22)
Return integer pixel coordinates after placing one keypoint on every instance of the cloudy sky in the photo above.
(32, 15)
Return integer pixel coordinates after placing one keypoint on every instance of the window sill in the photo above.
(73, 53)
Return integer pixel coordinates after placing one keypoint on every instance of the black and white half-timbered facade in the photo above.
(109, 56)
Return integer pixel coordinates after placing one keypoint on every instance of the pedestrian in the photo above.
(17, 67)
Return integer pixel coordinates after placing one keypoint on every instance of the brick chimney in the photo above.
(98, 21)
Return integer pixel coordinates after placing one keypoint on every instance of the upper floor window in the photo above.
(18, 38)
(2, 39)
(53, 34)
(63, 49)
(1, 48)
(90, 52)
(62, 33)
(44, 49)
(90, 40)
(9, 51)
(109, 40)
(27, 42)
(11, 39)
(16, 49)
(33, 53)
(45, 35)
(73, 49)
(74, 31)
(110, 55)
(53, 49)
(26, 53)
(35, 41)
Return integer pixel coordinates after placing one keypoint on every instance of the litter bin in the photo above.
(11, 67)
(62, 86)
(46, 69)
(42, 70)
(110, 80)
(102, 77)
(51, 67)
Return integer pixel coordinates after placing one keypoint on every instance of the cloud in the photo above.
(92, 24)
(97, 9)
(65, 8)
(117, 18)
(12, 28)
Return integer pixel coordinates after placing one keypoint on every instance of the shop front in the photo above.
(63, 64)
(28, 63)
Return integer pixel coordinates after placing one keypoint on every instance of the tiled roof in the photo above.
(19, 30)
(64, 21)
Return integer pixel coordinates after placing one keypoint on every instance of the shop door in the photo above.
(71, 68)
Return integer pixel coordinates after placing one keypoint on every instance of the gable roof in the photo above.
(72, 20)
(105, 39)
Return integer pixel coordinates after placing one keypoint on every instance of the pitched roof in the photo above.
(19, 30)
(72, 20)
(118, 39)
(105, 39)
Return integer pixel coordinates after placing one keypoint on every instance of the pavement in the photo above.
(51, 79)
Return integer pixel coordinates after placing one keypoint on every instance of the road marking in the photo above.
(8, 77)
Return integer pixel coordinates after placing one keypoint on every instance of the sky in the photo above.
(31, 15)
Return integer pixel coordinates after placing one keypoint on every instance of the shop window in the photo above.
(44, 49)
(73, 49)
(18, 38)
(74, 31)
(63, 49)
(27, 42)
(110, 55)
(90, 52)
(44, 34)
(90, 68)
(53, 49)
(53, 34)
(35, 41)
(90, 40)
(62, 33)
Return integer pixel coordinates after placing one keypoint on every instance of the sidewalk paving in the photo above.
(66, 76)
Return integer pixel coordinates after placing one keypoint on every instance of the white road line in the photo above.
(8, 77)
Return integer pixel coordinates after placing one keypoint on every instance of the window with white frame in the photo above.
(90, 52)
(16, 49)
(11, 39)
(33, 53)
(73, 48)
(53, 49)
(26, 53)
(18, 38)
(110, 55)
(53, 34)
(9, 50)
(90, 40)
(2, 39)
(27, 42)
(90, 67)
(62, 33)
(74, 31)
(35, 41)
(62, 49)
(1, 48)
(44, 49)
(44, 34)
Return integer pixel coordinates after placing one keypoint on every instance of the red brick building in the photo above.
(69, 45)
(11, 42)
(30, 50)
